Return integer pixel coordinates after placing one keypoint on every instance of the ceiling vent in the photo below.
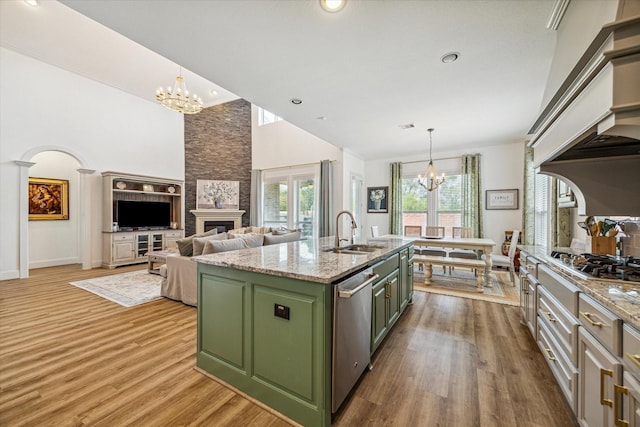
(407, 126)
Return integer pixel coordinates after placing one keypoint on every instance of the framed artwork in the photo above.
(377, 199)
(211, 194)
(502, 199)
(48, 199)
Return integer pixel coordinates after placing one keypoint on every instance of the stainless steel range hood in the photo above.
(589, 133)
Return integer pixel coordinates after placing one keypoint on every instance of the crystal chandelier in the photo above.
(431, 180)
(178, 99)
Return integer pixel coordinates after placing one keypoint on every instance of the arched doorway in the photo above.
(43, 243)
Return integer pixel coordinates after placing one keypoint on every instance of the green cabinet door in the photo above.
(378, 314)
(406, 278)
(393, 298)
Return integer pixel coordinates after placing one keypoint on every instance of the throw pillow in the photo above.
(260, 230)
(217, 246)
(253, 240)
(274, 239)
(283, 230)
(199, 242)
(185, 246)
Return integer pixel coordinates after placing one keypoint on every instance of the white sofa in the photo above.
(180, 273)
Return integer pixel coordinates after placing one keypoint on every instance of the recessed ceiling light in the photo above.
(296, 101)
(450, 57)
(332, 5)
(407, 126)
(213, 92)
(33, 3)
(321, 118)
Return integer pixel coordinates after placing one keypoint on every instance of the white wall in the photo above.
(282, 144)
(501, 168)
(106, 129)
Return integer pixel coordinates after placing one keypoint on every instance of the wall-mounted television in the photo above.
(139, 214)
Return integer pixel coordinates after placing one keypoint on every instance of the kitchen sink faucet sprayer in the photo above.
(353, 227)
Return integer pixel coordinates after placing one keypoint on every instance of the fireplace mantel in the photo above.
(203, 215)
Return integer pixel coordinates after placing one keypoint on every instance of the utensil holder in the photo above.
(602, 245)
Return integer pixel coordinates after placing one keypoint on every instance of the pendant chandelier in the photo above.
(430, 181)
(178, 99)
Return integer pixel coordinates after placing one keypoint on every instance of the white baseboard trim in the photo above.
(10, 274)
(54, 262)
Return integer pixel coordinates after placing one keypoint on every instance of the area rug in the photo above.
(463, 284)
(126, 289)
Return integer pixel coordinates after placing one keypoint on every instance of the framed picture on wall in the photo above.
(502, 199)
(377, 199)
(212, 194)
(48, 199)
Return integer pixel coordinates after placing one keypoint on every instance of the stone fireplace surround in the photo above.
(216, 215)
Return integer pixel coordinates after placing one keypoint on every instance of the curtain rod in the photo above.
(295, 166)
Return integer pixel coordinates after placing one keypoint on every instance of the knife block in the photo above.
(602, 245)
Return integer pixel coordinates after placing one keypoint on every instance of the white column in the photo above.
(23, 217)
(84, 233)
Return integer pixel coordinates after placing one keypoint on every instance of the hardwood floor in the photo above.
(68, 357)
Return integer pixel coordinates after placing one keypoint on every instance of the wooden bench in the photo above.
(428, 261)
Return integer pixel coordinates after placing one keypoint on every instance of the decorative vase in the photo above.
(217, 203)
(376, 204)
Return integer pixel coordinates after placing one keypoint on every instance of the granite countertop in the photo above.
(304, 259)
(610, 293)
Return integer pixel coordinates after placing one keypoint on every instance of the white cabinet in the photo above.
(599, 371)
(122, 246)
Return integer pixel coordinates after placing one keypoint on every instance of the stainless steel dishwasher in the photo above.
(351, 333)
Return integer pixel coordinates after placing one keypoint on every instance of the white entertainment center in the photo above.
(124, 246)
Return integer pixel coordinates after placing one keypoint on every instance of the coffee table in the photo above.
(158, 257)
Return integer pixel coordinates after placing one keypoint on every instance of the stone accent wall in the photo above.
(217, 144)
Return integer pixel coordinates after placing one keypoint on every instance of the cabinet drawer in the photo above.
(563, 370)
(564, 291)
(383, 268)
(562, 324)
(173, 234)
(631, 349)
(530, 263)
(122, 237)
(603, 324)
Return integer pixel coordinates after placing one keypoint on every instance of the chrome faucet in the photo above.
(353, 227)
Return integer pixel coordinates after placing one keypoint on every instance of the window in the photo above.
(541, 210)
(440, 207)
(266, 117)
(290, 198)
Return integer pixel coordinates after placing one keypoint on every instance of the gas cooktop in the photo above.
(601, 266)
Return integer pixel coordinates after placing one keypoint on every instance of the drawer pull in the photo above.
(635, 358)
(618, 390)
(609, 373)
(550, 355)
(550, 317)
(587, 316)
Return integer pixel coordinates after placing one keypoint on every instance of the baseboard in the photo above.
(54, 262)
(10, 274)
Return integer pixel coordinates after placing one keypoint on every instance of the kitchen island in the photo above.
(265, 317)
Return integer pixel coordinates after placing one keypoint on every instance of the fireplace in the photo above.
(222, 219)
(221, 226)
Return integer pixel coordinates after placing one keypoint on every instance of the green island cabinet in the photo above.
(271, 336)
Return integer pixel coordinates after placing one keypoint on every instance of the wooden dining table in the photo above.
(474, 244)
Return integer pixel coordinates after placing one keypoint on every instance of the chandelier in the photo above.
(178, 99)
(431, 180)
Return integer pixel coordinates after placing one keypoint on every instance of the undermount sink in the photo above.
(354, 249)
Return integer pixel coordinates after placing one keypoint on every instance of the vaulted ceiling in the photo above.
(361, 73)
